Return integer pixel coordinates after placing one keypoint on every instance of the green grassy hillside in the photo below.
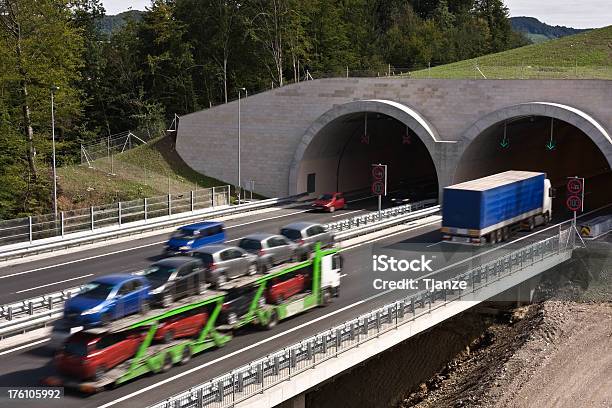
(585, 55)
(145, 171)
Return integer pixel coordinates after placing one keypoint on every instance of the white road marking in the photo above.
(435, 243)
(132, 248)
(24, 346)
(342, 215)
(54, 283)
(242, 350)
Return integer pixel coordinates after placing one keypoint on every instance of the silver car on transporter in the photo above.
(306, 234)
(270, 249)
(225, 262)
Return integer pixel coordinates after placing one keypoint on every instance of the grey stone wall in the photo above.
(274, 122)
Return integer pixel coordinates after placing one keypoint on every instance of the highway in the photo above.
(30, 279)
(24, 367)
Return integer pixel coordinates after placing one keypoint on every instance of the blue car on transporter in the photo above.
(193, 236)
(106, 299)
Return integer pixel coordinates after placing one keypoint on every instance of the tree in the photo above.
(40, 47)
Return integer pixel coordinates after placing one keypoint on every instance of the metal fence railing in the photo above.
(259, 375)
(363, 220)
(88, 219)
(28, 314)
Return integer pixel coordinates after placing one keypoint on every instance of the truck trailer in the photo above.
(151, 352)
(492, 208)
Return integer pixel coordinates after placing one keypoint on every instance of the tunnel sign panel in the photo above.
(575, 194)
(574, 203)
(379, 179)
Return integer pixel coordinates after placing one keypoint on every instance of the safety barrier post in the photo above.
(213, 197)
(62, 223)
(91, 215)
(169, 205)
(119, 212)
(192, 200)
(145, 209)
(30, 222)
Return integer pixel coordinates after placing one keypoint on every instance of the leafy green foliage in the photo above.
(136, 72)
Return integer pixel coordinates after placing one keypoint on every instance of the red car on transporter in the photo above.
(88, 356)
(280, 289)
(330, 202)
(181, 326)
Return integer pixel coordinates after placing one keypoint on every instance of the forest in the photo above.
(186, 55)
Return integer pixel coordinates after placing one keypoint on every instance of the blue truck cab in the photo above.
(193, 236)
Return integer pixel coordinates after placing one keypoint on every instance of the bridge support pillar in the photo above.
(525, 291)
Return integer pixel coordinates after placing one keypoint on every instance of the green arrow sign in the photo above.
(504, 143)
(550, 145)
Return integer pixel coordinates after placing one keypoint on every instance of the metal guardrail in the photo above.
(39, 227)
(259, 375)
(43, 310)
(10, 252)
(363, 220)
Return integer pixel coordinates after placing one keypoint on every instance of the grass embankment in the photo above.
(586, 55)
(145, 171)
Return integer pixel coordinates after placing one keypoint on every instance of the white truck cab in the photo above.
(331, 270)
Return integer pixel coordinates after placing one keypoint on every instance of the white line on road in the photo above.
(54, 283)
(24, 346)
(351, 212)
(435, 243)
(242, 350)
(131, 249)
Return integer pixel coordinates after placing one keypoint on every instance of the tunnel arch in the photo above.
(576, 117)
(412, 119)
(582, 147)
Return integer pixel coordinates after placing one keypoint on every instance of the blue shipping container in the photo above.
(478, 204)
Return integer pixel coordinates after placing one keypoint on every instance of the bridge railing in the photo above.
(39, 227)
(266, 372)
(28, 314)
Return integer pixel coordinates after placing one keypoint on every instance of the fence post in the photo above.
(91, 214)
(200, 398)
(119, 212)
(213, 197)
(30, 223)
(192, 200)
(145, 208)
(62, 223)
(169, 205)
(229, 196)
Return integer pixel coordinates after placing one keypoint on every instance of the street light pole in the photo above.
(239, 124)
(53, 89)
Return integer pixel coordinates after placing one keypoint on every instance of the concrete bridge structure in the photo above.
(323, 135)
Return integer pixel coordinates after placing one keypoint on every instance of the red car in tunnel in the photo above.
(330, 202)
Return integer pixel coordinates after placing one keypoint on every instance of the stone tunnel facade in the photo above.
(278, 126)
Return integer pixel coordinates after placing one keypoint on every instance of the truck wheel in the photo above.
(167, 364)
(325, 298)
(546, 218)
(531, 223)
(186, 355)
(498, 236)
(273, 321)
